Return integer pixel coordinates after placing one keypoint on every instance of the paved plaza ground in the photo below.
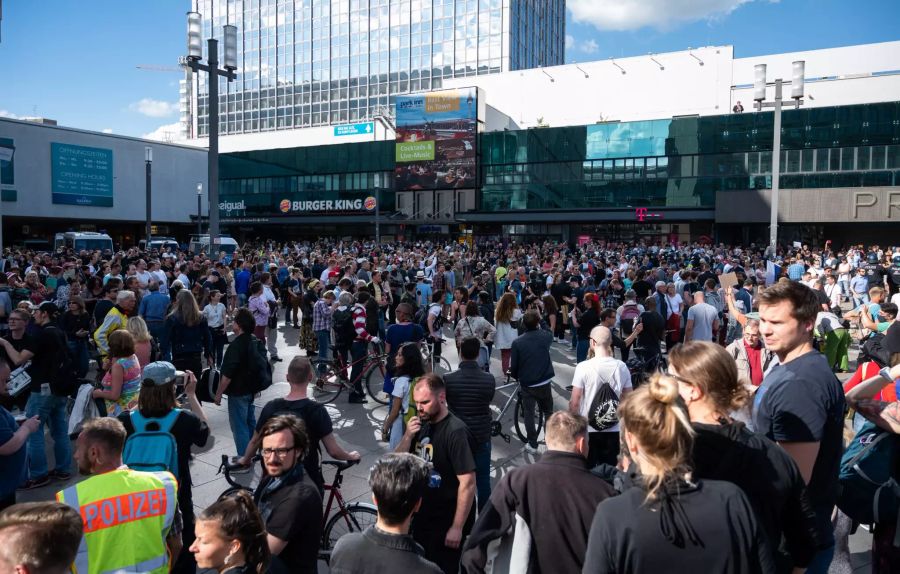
(358, 427)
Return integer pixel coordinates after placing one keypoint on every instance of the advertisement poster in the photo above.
(81, 175)
(436, 139)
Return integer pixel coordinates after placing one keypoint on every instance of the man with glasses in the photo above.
(752, 358)
(288, 499)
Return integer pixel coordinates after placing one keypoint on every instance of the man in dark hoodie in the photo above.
(548, 504)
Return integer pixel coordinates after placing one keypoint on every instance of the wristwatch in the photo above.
(885, 373)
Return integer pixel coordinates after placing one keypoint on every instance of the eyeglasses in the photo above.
(278, 452)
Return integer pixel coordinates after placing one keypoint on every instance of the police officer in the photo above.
(894, 274)
(875, 273)
(129, 516)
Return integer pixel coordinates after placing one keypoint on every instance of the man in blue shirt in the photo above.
(795, 271)
(242, 283)
(154, 307)
(423, 290)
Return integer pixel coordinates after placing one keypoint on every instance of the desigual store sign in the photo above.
(297, 207)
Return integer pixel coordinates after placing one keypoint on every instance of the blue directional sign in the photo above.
(354, 129)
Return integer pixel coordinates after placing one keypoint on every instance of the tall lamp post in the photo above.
(148, 163)
(195, 54)
(759, 95)
(6, 154)
(199, 198)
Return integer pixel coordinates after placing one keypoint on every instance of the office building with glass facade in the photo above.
(307, 63)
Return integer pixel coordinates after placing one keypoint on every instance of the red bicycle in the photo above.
(332, 376)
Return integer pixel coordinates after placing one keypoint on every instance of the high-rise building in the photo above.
(304, 63)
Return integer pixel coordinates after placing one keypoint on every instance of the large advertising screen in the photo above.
(81, 175)
(436, 139)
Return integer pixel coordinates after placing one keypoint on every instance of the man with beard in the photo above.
(288, 499)
(131, 520)
(440, 438)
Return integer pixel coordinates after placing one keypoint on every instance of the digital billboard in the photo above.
(81, 175)
(436, 139)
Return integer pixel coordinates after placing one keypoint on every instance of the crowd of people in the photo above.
(705, 425)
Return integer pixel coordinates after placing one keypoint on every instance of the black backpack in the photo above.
(259, 370)
(65, 380)
(344, 331)
(603, 413)
(422, 318)
(873, 350)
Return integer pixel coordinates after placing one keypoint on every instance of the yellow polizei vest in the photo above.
(127, 515)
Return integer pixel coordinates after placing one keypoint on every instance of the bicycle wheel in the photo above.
(326, 384)
(352, 518)
(441, 366)
(375, 384)
(519, 418)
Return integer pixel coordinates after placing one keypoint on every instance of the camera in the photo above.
(180, 378)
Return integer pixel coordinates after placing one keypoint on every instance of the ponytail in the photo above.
(238, 518)
(655, 415)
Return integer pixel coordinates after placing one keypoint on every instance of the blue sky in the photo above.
(75, 60)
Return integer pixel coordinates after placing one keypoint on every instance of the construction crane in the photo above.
(156, 68)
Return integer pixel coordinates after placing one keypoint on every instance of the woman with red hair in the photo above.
(584, 322)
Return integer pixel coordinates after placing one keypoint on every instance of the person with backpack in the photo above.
(879, 439)
(344, 331)
(237, 380)
(48, 398)
(407, 367)
(160, 437)
(598, 385)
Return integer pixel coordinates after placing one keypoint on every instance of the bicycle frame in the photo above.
(370, 361)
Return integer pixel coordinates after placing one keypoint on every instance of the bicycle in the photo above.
(518, 413)
(331, 377)
(437, 364)
(354, 517)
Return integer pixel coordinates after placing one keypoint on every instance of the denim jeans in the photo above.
(242, 416)
(324, 338)
(357, 355)
(241, 299)
(79, 350)
(821, 561)
(845, 287)
(52, 410)
(158, 331)
(543, 396)
(860, 299)
(581, 350)
(483, 472)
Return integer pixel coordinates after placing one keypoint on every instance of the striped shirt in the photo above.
(359, 323)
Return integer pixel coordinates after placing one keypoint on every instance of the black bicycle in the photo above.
(347, 518)
(518, 412)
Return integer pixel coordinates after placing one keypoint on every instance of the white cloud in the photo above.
(8, 114)
(107, 130)
(154, 108)
(165, 133)
(589, 47)
(570, 41)
(621, 15)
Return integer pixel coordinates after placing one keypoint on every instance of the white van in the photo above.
(83, 241)
(159, 244)
(200, 243)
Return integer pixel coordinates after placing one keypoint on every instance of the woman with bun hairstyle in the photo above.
(724, 449)
(668, 517)
(231, 537)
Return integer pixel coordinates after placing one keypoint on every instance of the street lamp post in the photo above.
(148, 163)
(195, 54)
(759, 95)
(199, 198)
(377, 216)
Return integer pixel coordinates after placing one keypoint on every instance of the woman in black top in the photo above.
(188, 334)
(724, 449)
(585, 323)
(231, 537)
(669, 518)
(76, 322)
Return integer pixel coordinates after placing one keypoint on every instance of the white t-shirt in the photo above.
(591, 374)
(401, 391)
(215, 315)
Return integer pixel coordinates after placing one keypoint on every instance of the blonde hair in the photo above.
(186, 309)
(505, 308)
(138, 329)
(711, 369)
(655, 415)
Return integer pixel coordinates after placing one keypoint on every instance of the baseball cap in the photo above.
(159, 372)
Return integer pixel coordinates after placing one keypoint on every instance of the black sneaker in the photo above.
(33, 483)
(60, 475)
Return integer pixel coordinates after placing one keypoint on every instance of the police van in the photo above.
(159, 244)
(83, 241)
(226, 244)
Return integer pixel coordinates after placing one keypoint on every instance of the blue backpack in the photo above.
(152, 447)
(869, 493)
